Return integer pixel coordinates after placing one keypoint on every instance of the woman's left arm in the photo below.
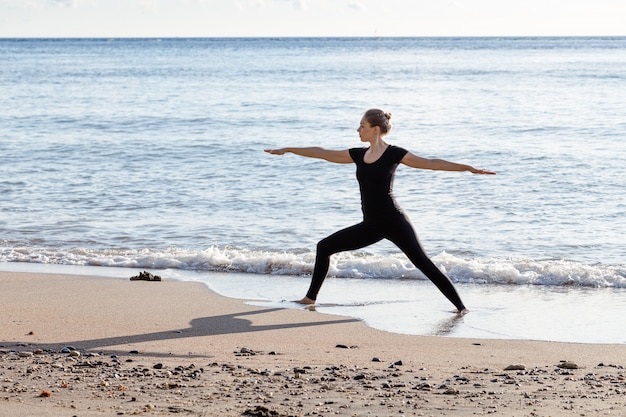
(415, 161)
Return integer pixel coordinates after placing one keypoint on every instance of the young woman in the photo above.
(382, 217)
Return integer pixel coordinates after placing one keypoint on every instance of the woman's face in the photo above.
(366, 131)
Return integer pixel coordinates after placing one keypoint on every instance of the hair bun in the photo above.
(379, 118)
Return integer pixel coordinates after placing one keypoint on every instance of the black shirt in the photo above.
(376, 181)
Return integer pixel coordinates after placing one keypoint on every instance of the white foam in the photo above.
(514, 271)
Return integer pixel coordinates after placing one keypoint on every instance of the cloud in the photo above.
(300, 4)
(64, 3)
(356, 5)
(41, 4)
(148, 6)
(250, 4)
(296, 4)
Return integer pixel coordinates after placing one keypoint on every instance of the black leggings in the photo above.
(396, 229)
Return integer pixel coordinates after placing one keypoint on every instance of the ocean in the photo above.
(119, 155)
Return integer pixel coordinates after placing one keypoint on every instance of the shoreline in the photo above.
(177, 347)
(413, 307)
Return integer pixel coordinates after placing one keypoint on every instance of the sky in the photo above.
(278, 18)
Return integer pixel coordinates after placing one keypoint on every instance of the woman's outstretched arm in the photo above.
(415, 161)
(338, 157)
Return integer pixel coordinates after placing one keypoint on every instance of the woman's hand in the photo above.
(481, 171)
(281, 151)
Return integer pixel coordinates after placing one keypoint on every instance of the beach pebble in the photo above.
(260, 411)
(451, 391)
(244, 351)
(567, 365)
(75, 353)
(515, 368)
(68, 349)
(396, 363)
(25, 354)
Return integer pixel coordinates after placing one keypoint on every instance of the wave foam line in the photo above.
(344, 265)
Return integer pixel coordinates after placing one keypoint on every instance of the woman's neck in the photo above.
(378, 145)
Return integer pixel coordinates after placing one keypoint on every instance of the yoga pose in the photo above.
(382, 216)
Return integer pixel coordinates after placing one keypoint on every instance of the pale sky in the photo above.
(217, 18)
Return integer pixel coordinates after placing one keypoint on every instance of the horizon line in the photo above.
(319, 37)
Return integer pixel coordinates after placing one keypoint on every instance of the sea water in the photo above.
(126, 154)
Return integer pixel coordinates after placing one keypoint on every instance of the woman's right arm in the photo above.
(338, 157)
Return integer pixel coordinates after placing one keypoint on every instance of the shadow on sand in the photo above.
(205, 326)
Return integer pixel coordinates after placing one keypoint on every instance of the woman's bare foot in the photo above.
(306, 300)
(462, 312)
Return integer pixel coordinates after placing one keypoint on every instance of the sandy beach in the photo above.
(88, 346)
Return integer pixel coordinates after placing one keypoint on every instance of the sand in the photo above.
(88, 346)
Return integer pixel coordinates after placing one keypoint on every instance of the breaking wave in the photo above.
(514, 271)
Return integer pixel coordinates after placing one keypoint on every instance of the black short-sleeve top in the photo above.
(376, 181)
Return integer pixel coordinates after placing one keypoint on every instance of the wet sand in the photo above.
(88, 346)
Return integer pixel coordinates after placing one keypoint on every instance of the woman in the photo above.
(382, 217)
